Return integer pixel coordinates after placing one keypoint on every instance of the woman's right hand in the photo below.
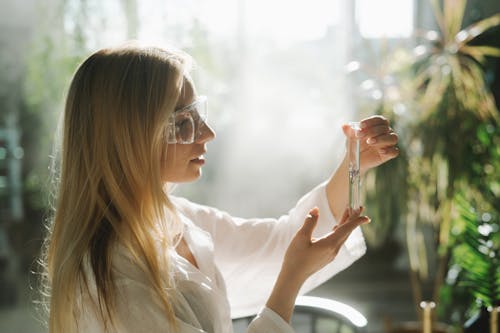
(306, 255)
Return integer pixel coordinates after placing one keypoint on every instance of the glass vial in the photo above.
(354, 163)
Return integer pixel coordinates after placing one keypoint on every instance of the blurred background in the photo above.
(281, 77)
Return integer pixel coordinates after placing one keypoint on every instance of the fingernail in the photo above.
(371, 141)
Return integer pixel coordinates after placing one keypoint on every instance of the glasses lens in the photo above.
(185, 127)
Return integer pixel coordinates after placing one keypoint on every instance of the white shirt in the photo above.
(238, 263)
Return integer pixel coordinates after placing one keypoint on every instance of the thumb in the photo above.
(310, 222)
(347, 130)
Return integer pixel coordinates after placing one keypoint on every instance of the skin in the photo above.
(377, 146)
(179, 166)
(305, 254)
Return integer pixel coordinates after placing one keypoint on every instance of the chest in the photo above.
(183, 250)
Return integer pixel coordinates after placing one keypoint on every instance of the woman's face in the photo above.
(183, 162)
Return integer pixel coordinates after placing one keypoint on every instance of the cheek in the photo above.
(167, 163)
(174, 163)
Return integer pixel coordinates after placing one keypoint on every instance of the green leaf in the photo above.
(453, 15)
(438, 13)
(480, 52)
(477, 28)
(483, 136)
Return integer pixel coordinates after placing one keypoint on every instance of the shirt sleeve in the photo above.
(249, 252)
(268, 321)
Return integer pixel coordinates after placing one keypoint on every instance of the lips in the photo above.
(198, 160)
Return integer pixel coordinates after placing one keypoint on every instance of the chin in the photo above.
(198, 175)
(190, 177)
(194, 173)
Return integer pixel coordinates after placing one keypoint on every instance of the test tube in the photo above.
(354, 175)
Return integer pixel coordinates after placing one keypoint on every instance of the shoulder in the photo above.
(203, 216)
(192, 209)
(181, 203)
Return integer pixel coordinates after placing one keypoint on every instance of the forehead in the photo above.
(187, 95)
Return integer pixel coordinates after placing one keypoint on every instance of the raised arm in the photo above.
(378, 145)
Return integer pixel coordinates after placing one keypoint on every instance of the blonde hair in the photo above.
(109, 187)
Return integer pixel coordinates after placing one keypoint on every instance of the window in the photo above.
(385, 18)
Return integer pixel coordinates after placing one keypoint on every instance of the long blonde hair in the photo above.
(109, 187)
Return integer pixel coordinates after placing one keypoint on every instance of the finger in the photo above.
(339, 235)
(376, 131)
(348, 131)
(344, 230)
(349, 212)
(310, 222)
(386, 139)
(355, 212)
(389, 152)
(373, 121)
(345, 215)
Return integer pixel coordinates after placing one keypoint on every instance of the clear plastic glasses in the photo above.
(185, 123)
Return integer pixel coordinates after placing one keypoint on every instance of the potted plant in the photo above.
(474, 275)
(450, 131)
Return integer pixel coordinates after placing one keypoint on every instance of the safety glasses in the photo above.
(185, 124)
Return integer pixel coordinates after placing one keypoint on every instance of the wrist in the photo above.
(337, 189)
(284, 294)
(293, 279)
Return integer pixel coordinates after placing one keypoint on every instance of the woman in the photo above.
(122, 255)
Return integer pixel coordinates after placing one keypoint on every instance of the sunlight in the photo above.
(385, 18)
(282, 21)
(291, 21)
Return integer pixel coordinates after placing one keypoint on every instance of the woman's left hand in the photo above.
(378, 141)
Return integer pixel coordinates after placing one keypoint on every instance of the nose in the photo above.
(206, 134)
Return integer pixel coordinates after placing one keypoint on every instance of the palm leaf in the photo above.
(475, 29)
(453, 16)
(480, 52)
(435, 88)
(470, 88)
(438, 13)
(475, 256)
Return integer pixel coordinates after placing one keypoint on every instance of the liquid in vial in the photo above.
(353, 144)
